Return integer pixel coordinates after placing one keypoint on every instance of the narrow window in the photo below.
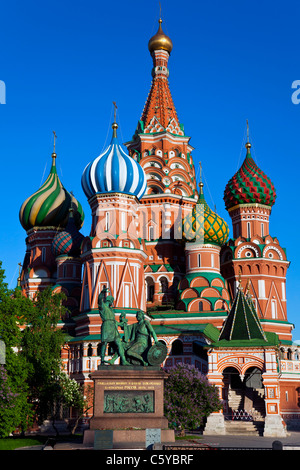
(261, 289)
(123, 221)
(43, 255)
(274, 309)
(199, 260)
(106, 221)
(151, 233)
(248, 230)
(127, 296)
(283, 290)
(262, 230)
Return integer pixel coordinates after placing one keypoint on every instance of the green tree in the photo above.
(15, 411)
(42, 340)
(69, 393)
(189, 398)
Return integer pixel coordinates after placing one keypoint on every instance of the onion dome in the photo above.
(68, 241)
(160, 41)
(249, 185)
(114, 172)
(49, 206)
(203, 225)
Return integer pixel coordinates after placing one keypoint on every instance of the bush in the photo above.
(189, 398)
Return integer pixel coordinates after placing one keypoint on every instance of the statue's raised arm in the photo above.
(102, 297)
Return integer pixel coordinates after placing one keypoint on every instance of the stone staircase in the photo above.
(254, 428)
(237, 422)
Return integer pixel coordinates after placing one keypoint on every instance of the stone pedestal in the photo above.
(129, 400)
(215, 425)
(274, 426)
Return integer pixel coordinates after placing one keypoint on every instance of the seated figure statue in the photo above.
(140, 339)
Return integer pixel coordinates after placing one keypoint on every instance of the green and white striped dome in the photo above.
(49, 205)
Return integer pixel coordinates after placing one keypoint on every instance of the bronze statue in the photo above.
(141, 334)
(109, 328)
(135, 348)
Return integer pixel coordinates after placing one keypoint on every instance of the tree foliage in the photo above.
(15, 411)
(41, 347)
(189, 398)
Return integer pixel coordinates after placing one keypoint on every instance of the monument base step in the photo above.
(124, 438)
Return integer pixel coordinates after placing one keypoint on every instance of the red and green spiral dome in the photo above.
(249, 185)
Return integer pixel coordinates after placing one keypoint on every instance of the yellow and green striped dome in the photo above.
(203, 225)
(49, 206)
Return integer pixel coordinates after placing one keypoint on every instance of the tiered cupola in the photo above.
(43, 215)
(253, 253)
(249, 191)
(164, 152)
(113, 254)
(203, 289)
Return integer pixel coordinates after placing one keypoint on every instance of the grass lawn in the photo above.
(11, 443)
(188, 437)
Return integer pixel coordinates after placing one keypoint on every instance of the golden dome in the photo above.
(160, 41)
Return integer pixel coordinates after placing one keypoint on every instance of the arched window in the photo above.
(149, 289)
(90, 350)
(164, 285)
(177, 348)
(200, 306)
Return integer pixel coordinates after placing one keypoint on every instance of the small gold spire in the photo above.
(240, 280)
(248, 145)
(54, 137)
(115, 125)
(201, 182)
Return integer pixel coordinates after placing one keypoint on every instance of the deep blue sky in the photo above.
(64, 62)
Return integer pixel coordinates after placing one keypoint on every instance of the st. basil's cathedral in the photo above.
(217, 303)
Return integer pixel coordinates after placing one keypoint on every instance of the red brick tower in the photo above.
(112, 255)
(253, 254)
(44, 215)
(163, 150)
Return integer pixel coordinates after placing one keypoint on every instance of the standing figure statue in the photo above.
(109, 328)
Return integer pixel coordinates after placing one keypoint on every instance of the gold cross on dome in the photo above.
(55, 137)
(115, 111)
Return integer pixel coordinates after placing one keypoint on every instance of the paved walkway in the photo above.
(241, 441)
(291, 442)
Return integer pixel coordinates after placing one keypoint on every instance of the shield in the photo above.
(157, 354)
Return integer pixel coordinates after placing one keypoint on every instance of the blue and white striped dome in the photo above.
(114, 172)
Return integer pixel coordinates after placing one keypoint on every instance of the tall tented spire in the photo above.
(159, 112)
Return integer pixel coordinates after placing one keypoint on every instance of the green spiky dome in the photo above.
(49, 205)
(203, 225)
(249, 185)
